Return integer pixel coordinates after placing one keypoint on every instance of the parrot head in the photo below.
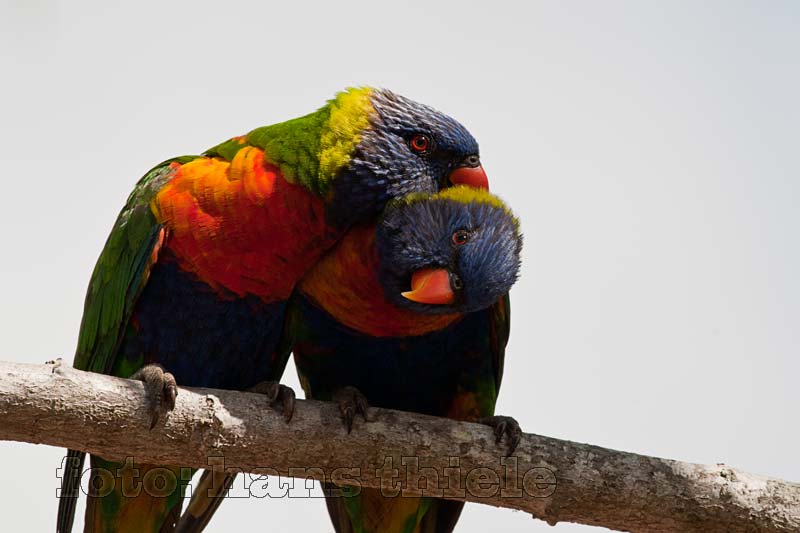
(398, 147)
(456, 251)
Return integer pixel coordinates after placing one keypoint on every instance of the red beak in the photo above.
(470, 176)
(430, 286)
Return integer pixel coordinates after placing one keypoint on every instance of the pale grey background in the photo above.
(650, 149)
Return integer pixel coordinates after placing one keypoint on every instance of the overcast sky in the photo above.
(649, 148)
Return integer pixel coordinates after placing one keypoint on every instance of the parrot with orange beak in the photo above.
(361, 337)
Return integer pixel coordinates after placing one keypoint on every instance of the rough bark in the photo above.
(554, 480)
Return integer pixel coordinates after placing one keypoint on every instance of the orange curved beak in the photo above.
(430, 286)
(470, 176)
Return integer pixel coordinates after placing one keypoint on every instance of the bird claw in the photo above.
(351, 404)
(160, 388)
(504, 425)
(280, 397)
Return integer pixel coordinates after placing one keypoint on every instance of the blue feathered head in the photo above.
(405, 147)
(455, 251)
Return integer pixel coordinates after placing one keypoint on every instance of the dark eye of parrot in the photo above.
(420, 143)
(460, 237)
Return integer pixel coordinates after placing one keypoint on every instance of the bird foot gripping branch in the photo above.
(280, 397)
(161, 390)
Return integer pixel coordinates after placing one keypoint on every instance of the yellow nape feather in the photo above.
(350, 112)
(463, 194)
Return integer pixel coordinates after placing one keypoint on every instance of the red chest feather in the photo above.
(240, 226)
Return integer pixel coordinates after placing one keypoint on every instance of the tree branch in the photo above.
(554, 480)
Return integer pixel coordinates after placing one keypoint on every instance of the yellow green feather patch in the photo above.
(463, 194)
(349, 116)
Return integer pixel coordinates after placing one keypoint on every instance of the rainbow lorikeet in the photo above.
(409, 314)
(192, 284)
(362, 337)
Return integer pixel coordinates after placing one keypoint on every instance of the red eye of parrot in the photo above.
(420, 143)
(460, 237)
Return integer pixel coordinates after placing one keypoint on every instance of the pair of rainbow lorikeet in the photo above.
(361, 237)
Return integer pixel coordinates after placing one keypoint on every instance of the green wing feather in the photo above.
(499, 329)
(121, 273)
(117, 281)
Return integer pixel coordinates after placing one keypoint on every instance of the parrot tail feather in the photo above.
(205, 501)
(338, 512)
(70, 490)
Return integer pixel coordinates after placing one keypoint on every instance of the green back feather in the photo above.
(310, 150)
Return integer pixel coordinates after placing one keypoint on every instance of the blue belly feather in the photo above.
(201, 337)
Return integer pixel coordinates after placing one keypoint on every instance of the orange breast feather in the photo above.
(240, 227)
